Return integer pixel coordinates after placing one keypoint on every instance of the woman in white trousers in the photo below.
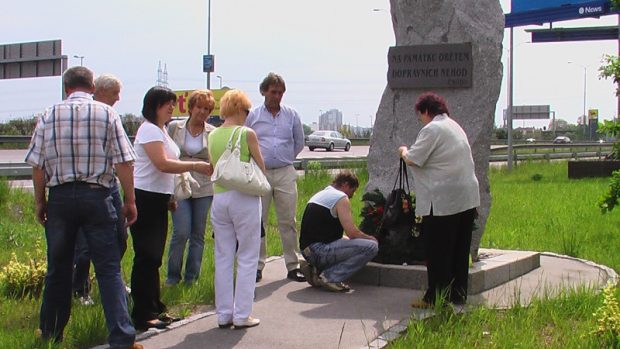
(236, 220)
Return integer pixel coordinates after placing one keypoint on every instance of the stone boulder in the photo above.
(421, 22)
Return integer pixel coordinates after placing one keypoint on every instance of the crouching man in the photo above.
(330, 257)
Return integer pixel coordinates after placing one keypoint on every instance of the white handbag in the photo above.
(232, 173)
(183, 183)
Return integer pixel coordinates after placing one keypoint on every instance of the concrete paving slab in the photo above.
(295, 315)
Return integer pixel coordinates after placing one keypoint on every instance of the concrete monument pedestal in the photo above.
(494, 268)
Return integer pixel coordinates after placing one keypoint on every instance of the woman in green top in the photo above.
(236, 220)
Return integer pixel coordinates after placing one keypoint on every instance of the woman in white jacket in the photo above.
(189, 219)
(447, 195)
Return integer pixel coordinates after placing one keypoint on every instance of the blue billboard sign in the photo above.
(531, 5)
(526, 12)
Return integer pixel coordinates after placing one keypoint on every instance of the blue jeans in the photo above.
(189, 222)
(340, 259)
(89, 207)
(81, 260)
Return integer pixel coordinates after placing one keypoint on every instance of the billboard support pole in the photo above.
(510, 101)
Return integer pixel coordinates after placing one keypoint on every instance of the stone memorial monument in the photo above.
(453, 48)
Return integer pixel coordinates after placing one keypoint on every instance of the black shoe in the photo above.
(296, 275)
(156, 323)
(259, 275)
(165, 317)
(310, 273)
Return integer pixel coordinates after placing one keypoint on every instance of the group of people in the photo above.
(80, 151)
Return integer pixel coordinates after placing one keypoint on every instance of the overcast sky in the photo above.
(332, 54)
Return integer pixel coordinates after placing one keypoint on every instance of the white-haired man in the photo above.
(107, 91)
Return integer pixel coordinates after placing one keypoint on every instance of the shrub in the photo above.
(610, 199)
(314, 166)
(20, 280)
(537, 177)
(4, 192)
(608, 316)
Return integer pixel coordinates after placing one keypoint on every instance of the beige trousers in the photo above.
(284, 195)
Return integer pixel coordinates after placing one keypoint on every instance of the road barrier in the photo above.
(521, 152)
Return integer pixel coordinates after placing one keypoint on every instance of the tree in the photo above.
(346, 131)
(19, 127)
(131, 123)
(307, 129)
(611, 70)
(501, 133)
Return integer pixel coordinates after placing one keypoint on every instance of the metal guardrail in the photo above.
(15, 170)
(26, 139)
(23, 170)
(564, 151)
(330, 163)
(15, 139)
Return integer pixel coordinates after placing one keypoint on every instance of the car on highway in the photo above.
(329, 140)
(562, 140)
(530, 140)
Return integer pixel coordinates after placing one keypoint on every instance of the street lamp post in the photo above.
(585, 89)
(209, 42)
(219, 78)
(585, 116)
(81, 59)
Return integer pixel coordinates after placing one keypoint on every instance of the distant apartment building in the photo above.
(330, 120)
(314, 126)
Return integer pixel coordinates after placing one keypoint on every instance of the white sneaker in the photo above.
(86, 300)
(249, 322)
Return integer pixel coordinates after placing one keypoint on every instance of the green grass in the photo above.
(552, 214)
(549, 214)
(562, 322)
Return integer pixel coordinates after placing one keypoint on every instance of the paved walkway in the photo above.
(295, 315)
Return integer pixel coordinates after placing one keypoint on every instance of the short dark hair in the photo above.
(156, 97)
(271, 79)
(346, 176)
(78, 77)
(432, 103)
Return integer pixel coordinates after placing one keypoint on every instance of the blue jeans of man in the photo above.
(71, 207)
(81, 259)
(340, 259)
(189, 222)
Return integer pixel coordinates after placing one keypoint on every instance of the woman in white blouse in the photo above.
(447, 195)
(154, 169)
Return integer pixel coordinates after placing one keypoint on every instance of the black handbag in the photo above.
(399, 241)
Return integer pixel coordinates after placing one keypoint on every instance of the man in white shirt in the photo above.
(332, 258)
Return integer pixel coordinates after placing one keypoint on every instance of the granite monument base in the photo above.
(494, 268)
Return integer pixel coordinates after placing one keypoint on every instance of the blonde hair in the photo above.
(234, 102)
(202, 97)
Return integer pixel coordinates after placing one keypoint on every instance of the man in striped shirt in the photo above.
(73, 151)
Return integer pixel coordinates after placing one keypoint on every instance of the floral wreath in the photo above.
(372, 213)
